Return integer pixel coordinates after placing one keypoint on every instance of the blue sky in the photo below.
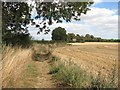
(100, 21)
(107, 5)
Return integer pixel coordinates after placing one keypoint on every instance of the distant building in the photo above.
(74, 40)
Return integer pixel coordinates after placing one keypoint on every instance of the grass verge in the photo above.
(14, 60)
(68, 74)
(30, 76)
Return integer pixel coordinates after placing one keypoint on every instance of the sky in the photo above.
(100, 21)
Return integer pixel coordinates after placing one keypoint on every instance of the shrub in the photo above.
(20, 39)
(55, 58)
(54, 70)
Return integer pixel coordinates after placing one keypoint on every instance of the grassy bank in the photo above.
(14, 59)
(68, 74)
(25, 67)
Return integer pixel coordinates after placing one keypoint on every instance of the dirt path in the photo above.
(36, 75)
(44, 78)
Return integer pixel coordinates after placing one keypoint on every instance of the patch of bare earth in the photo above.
(44, 80)
(36, 75)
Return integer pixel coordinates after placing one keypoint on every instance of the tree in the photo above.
(78, 37)
(59, 34)
(16, 15)
(87, 36)
(99, 39)
(92, 37)
(70, 36)
(82, 38)
(62, 10)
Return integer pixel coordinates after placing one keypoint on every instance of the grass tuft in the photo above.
(71, 75)
(13, 61)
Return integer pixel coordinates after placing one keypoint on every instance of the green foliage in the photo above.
(21, 39)
(57, 11)
(44, 42)
(16, 16)
(59, 34)
(53, 70)
(87, 38)
(55, 58)
(78, 37)
(101, 82)
(71, 75)
(70, 36)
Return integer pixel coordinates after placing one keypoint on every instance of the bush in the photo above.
(44, 41)
(54, 70)
(69, 74)
(55, 58)
(20, 39)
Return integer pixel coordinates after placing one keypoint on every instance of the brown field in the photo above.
(91, 56)
(34, 65)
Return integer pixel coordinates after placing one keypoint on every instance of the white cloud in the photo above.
(103, 21)
(97, 1)
(73, 27)
(33, 32)
(100, 22)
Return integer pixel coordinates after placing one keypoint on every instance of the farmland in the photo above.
(60, 44)
(91, 56)
(61, 65)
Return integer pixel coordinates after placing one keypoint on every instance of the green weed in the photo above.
(71, 75)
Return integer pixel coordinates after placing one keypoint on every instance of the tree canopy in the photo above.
(59, 34)
(88, 38)
(17, 15)
(58, 12)
(70, 36)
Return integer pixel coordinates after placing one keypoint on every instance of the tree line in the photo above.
(17, 15)
(71, 37)
(59, 34)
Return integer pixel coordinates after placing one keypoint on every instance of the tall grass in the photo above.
(68, 74)
(13, 61)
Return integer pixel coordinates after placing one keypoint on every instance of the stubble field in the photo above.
(91, 56)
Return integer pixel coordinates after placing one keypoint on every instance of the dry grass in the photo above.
(13, 61)
(20, 70)
(92, 58)
(36, 71)
(94, 43)
(68, 74)
(16, 59)
(0, 70)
